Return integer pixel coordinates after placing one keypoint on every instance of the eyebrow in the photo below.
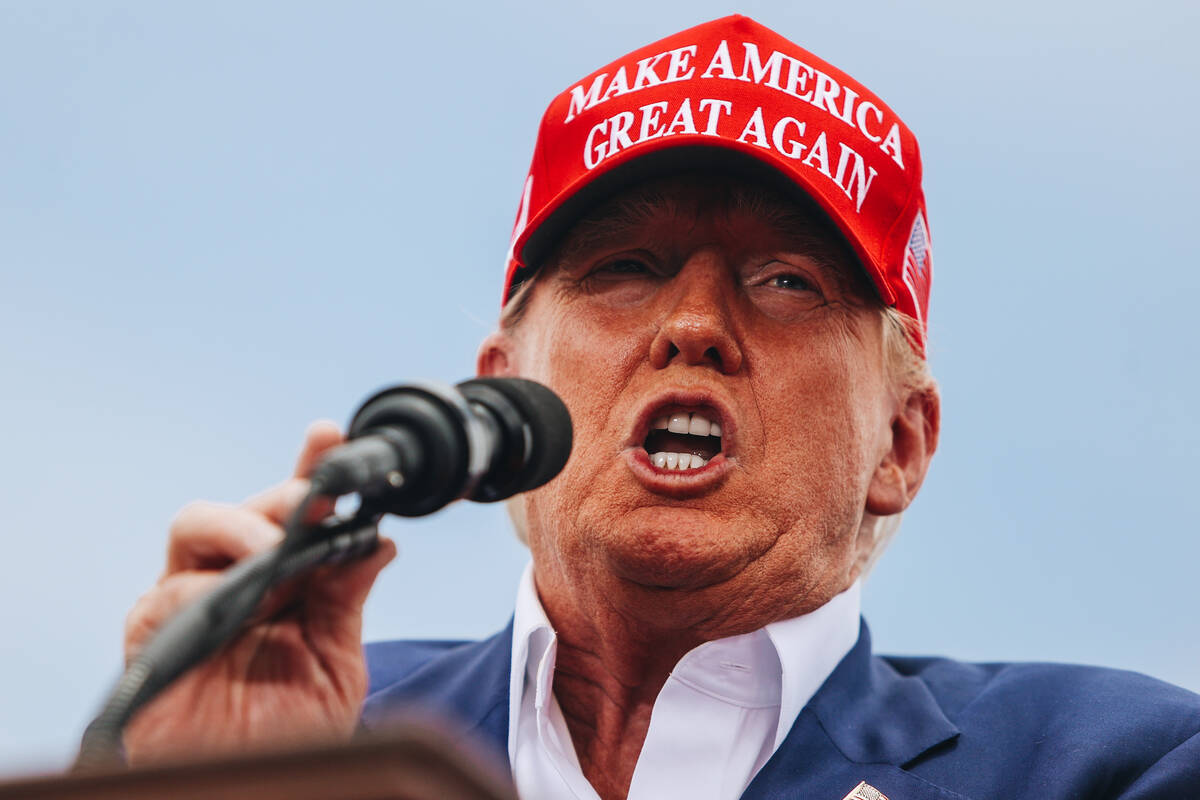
(611, 221)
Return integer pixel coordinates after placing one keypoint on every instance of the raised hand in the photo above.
(298, 675)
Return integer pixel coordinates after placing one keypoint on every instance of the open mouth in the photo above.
(681, 440)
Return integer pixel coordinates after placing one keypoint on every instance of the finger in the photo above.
(349, 584)
(278, 502)
(213, 536)
(320, 437)
(338, 593)
(161, 603)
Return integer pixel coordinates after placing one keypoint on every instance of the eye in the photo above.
(791, 281)
(622, 267)
(784, 291)
(622, 278)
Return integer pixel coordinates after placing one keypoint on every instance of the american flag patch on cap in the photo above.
(918, 244)
(918, 265)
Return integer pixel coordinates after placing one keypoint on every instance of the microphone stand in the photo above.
(200, 629)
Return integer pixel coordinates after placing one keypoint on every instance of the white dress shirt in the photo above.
(724, 710)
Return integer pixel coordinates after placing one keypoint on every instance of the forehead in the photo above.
(683, 210)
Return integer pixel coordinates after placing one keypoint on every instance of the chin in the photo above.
(673, 549)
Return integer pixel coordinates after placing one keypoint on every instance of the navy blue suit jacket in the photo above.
(913, 728)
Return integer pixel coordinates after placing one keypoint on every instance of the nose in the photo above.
(697, 324)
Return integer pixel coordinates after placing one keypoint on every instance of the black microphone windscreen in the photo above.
(549, 424)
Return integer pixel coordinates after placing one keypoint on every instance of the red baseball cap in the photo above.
(732, 94)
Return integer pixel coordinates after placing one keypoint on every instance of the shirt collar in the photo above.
(532, 632)
(810, 647)
(790, 659)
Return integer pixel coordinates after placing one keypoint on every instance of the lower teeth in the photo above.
(677, 462)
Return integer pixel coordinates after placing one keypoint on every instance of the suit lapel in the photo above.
(864, 723)
(468, 683)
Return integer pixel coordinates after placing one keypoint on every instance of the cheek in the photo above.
(818, 465)
(587, 359)
(821, 426)
(588, 362)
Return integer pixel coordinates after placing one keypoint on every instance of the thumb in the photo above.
(321, 436)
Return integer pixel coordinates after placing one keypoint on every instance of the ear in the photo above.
(914, 437)
(497, 356)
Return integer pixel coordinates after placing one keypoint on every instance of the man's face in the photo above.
(704, 301)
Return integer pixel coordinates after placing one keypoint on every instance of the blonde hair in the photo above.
(907, 367)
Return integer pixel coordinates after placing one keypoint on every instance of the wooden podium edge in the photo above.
(416, 760)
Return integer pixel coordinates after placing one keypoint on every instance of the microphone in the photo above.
(414, 448)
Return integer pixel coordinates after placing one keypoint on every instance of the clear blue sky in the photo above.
(219, 221)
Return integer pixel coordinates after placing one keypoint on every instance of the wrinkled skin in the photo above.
(775, 325)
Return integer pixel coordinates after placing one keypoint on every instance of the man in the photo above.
(721, 263)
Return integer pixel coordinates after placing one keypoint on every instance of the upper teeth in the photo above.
(682, 422)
